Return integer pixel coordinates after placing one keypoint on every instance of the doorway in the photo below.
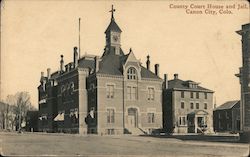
(132, 118)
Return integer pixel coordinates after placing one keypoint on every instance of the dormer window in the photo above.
(191, 84)
(131, 74)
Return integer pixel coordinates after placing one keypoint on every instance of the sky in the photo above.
(199, 47)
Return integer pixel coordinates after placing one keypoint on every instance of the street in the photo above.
(31, 144)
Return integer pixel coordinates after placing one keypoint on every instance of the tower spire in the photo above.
(112, 12)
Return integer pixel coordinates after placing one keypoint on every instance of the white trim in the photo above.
(180, 117)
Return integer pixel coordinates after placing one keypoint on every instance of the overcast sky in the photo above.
(202, 48)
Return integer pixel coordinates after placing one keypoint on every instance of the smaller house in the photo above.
(187, 107)
(227, 117)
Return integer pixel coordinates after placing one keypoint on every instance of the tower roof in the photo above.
(113, 27)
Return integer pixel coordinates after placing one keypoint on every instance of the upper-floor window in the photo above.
(191, 94)
(197, 105)
(227, 115)
(110, 91)
(131, 74)
(205, 105)
(62, 89)
(131, 93)
(182, 94)
(197, 95)
(205, 95)
(182, 105)
(151, 93)
(110, 115)
(72, 86)
(192, 105)
(219, 115)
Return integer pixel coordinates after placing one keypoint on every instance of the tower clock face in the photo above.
(115, 38)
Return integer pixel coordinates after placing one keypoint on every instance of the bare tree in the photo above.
(23, 105)
(13, 111)
(2, 115)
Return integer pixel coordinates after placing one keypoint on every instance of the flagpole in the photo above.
(79, 36)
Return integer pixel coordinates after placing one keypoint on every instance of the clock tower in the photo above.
(113, 36)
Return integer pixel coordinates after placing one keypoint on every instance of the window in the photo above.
(110, 115)
(191, 94)
(74, 115)
(131, 74)
(192, 105)
(182, 94)
(131, 93)
(110, 91)
(205, 105)
(151, 93)
(197, 105)
(151, 117)
(182, 104)
(205, 95)
(62, 89)
(71, 87)
(111, 131)
(227, 116)
(197, 95)
(220, 126)
(182, 121)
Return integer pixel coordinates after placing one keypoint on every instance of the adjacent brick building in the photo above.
(187, 107)
(227, 117)
(108, 94)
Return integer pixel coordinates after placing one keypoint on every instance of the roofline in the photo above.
(195, 90)
(218, 108)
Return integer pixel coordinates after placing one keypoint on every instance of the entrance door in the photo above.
(131, 121)
(191, 125)
(238, 125)
(132, 117)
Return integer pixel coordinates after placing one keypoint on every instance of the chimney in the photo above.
(148, 62)
(175, 76)
(75, 57)
(165, 81)
(157, 69)
(61, 64)
(97, 64)
(42, 76)
(48, 73)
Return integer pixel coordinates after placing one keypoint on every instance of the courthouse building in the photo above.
(108, 94)
(187, 107)
(244, 76)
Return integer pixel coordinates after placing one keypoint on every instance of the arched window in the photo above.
(131, 74)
